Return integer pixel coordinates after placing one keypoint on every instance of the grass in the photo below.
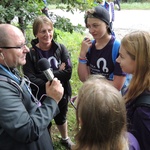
(135, 6)
(71, 128)
(72, 42)
(124, 6)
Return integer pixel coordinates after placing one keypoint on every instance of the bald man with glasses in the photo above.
(23, 119)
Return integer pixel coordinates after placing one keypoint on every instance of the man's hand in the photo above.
(55, 90)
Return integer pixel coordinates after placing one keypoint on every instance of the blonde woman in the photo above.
(134, 59)
(44, 46)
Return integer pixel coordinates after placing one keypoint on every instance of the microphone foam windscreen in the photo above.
(43, 64)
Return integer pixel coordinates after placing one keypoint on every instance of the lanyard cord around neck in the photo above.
(11, 74)
(18, 81)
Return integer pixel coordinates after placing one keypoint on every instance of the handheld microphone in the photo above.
(44, 66)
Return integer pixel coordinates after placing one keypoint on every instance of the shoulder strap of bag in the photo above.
(59, 53)
(12, 82)
(93, 41)
(115, 50)
(143, 100)
(32, 55)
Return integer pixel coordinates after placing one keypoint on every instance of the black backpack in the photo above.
(12, 82)
(143, 100)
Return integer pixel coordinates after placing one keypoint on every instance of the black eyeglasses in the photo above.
(17, 47)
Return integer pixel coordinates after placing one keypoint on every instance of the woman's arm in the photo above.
(118, 81)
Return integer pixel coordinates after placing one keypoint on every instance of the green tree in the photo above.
(26, 10)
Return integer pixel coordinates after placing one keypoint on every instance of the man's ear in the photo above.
(1, 55)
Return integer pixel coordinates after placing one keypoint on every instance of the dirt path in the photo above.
(125, 20)
(130, 20)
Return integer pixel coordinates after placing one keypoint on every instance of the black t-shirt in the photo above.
(100, 61)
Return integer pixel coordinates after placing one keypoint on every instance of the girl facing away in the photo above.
(101, 118)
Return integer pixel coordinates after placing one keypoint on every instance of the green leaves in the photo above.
(25, 9)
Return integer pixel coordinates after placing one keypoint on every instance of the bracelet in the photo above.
(82, 58)
(82, 61)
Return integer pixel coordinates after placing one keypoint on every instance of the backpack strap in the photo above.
(115, 50)
(93, 41)
(143, 100)
(58, 54)
(32, 56)
(12, 82)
